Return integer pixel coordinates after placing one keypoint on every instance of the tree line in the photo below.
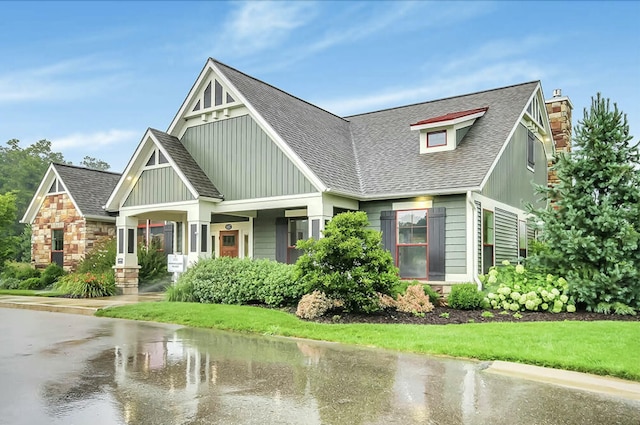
(21, 170)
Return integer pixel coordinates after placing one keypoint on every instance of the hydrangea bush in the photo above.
(516, 288)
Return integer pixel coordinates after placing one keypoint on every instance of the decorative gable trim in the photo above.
(148, 148)
(50, 177)
(240, 100)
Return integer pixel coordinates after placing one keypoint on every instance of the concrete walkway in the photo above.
(575, 380)
(87, 306)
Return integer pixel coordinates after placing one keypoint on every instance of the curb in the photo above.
(87, 311)
(564, 378)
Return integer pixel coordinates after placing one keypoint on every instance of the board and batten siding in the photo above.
(158, 186)
(264, 234)
(456, 232)
(506, 242)
(242, 161)
(511, 182)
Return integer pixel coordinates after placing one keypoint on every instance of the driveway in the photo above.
(58, 368)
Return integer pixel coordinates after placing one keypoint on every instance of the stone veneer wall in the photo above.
(559, 110)
(58, 212)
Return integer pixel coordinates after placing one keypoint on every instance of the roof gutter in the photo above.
(382, 196)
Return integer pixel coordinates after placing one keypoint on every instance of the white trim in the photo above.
(243, 227)
(397, 195)
(288, 201)
(491, 204)
(148, 143)
(273, 135)
(472, 237)
(412, 205)
(453, 278)
(40, 195)
(296, 213)
(506, 142)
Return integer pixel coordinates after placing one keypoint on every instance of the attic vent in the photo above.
(56, 187)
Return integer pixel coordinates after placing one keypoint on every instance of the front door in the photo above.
(229, 243)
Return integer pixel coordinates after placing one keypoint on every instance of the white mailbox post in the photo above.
(176, 264)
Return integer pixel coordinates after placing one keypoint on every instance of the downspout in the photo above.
(474, 237)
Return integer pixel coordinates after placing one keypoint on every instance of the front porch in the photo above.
(259, 228)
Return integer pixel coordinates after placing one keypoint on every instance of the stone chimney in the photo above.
(559, 109)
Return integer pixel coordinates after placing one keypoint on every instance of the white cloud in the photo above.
(92, 141)
(494, 64)
(260, 25)
(70, 79)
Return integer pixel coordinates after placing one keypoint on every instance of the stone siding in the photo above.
(58, 212)
(559, 110)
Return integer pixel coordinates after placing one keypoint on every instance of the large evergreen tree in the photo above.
(592, 225)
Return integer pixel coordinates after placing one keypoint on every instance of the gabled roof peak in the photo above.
(78, 167)
(276, 88)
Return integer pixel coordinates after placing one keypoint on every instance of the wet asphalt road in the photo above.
(67, 369)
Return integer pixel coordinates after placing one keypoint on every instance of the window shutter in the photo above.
(315, 229)
(436, 243)
(388, 228)
(281, 239)
(168, 239)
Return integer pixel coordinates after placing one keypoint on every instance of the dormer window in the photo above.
(444, 132)
(436, 138)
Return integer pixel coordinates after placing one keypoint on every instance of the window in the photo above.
(436, 138)
(298, 230)
(56, 187)
(531, 150)
(488, 235)
(411, 249)
(522, 239)
(151, 233)
(57, 240)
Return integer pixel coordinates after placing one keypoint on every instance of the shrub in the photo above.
(414, 301)
(9, 283)
(101, 258)
(348, 263)
(31, 283)
(181, 292)
(153, 263)
(51, 274)
(314, 305)
(519, 288)
(401, 288)
(20, 271)
(465, 297)
(238, 281)
(87, 285)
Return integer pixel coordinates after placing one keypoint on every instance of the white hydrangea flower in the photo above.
(520, 269)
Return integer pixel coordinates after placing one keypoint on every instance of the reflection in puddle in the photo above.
(200, 376)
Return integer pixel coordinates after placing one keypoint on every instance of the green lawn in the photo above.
(30, 292)
(603, 348)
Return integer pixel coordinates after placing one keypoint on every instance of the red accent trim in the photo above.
(451, 116)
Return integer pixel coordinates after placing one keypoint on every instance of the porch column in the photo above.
(126, 267)
(198, 234)
(318, 213)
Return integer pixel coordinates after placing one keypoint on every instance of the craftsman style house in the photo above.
(246, 170)
(66, 214)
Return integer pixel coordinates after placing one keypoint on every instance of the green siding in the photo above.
(264, 234)
(456, 232)
(506, 243)
(242, 161)
(373, 209)
(158, 186)
(511, 180)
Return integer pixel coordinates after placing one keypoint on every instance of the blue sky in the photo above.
(92, 76)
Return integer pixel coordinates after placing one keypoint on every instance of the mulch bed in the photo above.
(466, 316)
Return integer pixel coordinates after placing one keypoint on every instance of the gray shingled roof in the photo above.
(187, 165)
(89, 188)
(389, 153)
(322, 140)
(376, 154)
